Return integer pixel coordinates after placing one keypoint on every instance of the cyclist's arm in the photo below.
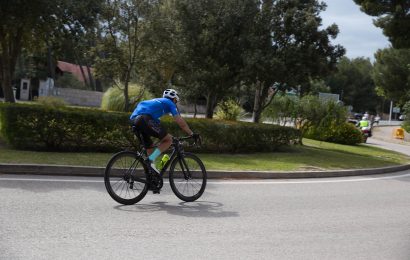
(184, 126)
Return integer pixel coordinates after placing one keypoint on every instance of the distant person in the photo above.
(365, 124)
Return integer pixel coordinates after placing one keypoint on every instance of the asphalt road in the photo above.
(334, 218)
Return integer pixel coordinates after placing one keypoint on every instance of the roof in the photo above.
(73, 69)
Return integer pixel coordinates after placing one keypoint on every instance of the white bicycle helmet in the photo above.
(171, 93)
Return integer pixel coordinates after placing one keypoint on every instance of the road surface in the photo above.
(335, 218)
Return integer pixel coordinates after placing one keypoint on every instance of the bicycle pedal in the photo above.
(156, 191)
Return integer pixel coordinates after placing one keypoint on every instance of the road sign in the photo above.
(396, 109)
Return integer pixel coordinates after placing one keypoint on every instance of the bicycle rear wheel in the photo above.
(125, 178)
(187, 177)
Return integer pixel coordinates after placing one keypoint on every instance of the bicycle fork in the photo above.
(184, 168)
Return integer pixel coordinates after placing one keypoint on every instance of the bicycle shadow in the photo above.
(205, 209)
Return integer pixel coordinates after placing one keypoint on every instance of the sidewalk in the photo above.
(383, 137)
(403, 147)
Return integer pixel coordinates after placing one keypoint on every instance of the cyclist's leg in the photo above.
(155, 129)
(144, 132)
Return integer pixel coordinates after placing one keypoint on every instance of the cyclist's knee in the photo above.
(167, 138)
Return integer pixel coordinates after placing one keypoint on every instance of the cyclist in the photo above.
(146, 120)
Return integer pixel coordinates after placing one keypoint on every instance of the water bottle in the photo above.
(164, 160)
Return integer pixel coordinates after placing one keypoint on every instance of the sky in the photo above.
(356, 30)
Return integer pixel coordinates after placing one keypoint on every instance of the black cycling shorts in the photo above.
(148, 127)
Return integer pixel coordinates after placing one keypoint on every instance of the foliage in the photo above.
(113, 99)
(406, 126)
(41, 24)
(354, 83)
(282, 110)
(64, 129)
(317, 119)
(229, 110)
(72, 129)
(344, 133)
(51, 102)
(162, 48)
(288, 47)
(392, 16)
(121, 41)
(406, 111)
(213, 34)
(392, 74)
(69, 81)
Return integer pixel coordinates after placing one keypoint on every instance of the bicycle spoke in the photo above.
(123, 171)
(188, 178)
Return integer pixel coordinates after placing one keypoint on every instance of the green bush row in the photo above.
(38, 127)
(345, 133)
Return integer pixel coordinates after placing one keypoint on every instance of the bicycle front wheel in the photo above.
(125, 178)
(187, 177)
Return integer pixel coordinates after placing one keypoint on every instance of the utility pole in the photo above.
(391, 111)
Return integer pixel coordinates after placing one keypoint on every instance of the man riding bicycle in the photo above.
(146, 120)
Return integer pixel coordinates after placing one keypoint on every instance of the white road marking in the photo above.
(234, 182)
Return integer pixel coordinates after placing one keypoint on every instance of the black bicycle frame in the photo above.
(176, 154)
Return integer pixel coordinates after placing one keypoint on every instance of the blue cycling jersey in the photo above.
(156, 108)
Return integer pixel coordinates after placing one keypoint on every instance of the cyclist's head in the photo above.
(364, 118)
(171, 94)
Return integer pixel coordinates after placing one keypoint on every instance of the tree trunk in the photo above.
(78, 61)
(98, 85)
(257, 107)
(90, 77)
(126, 97)
(9, 51)
(195, 110)
(210, 106)
(51, 69)
(83, 74)
(6, 85)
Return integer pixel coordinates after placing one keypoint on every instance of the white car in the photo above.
(402, 117)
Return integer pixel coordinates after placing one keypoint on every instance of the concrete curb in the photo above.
(62, 170)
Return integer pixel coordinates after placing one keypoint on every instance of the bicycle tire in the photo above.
(124, 168)
(180, 185)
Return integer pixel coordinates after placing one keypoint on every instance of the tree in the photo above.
(19, 19)
(287, 48)
(122, 22)
(161, 47)
(212, 32)
(41, 25)
(393, 16)
(354, 83)
(392, 74)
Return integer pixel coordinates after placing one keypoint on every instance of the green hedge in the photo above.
(345, 133)
(36, 127)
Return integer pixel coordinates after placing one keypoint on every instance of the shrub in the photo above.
(406, 126)
(282, 110)
(113, 99)
(406, 123)
(317, 119)
(344, 133)
(228, 110)
(32, 127)
(52, 102)
(69, 81)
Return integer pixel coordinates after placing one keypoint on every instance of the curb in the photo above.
(62, 170)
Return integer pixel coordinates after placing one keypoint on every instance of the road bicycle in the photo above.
(128, 175)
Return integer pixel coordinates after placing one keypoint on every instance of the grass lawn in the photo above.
(313, 155)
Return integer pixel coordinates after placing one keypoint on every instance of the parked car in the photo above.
(402, 117)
